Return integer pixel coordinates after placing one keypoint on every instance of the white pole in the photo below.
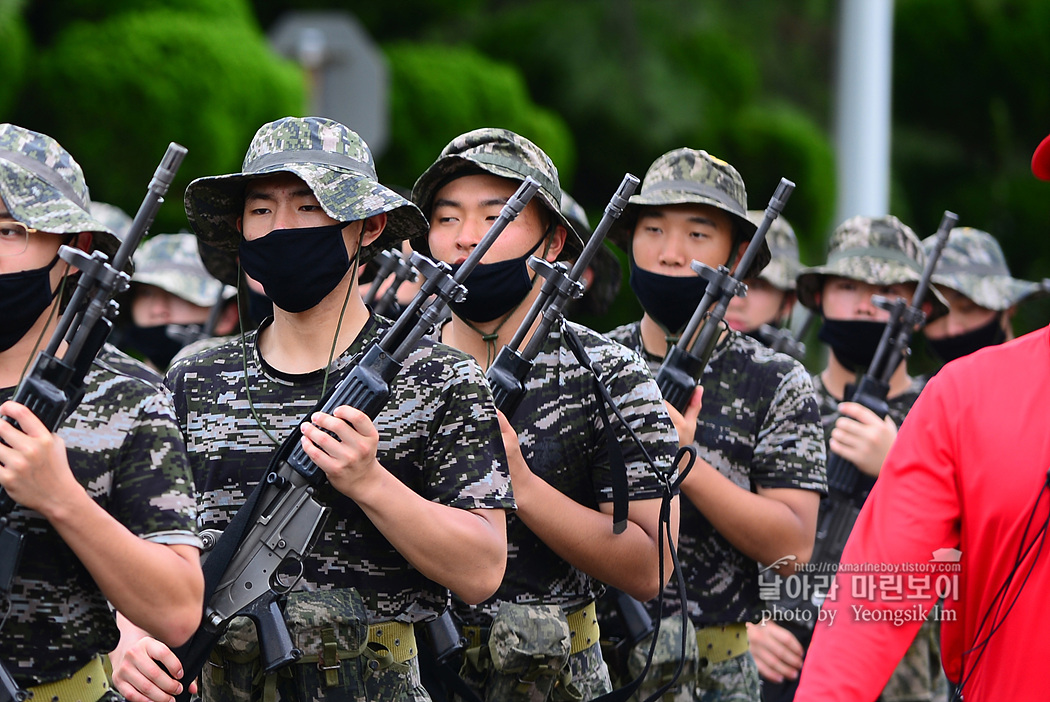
(863, 108)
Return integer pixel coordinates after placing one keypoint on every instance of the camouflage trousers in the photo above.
(324, 625)
(732, 680)
(528, 657)
(919, 676)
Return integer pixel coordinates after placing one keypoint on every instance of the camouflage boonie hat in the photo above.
(503, 153)
(784, 266)
(171, 262)
(44, 188)
(112, 217)
(333, 161)
(608, 277)
(874, 250)
(688, 176)
(973, 264)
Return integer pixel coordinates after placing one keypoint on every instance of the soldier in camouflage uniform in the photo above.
(417, 496)
(537, 638)
(866, 256)
(982, 295)
(106, 503)
(174, 301)
(765, 310)
(754, 491)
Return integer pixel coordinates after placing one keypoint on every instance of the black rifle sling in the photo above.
(619, 470)
(617, 466)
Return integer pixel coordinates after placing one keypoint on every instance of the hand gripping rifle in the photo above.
(54, 385)
(682, 367)
(259, 557)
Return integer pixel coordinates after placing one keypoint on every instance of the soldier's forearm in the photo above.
(159, 588)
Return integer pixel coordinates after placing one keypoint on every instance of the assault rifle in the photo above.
(874, 386)
(385, 261)
(847, 486)
(782, 339)
(54, 385)
(506, 376)
(403, 270)
(686, 360)
(259, 557)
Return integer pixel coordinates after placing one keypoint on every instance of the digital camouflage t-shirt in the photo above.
(563, 440)
(124, 446)
(759, 426)
(438, 434)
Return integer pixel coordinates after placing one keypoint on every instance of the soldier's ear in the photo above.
(557, 243)
(372, 228)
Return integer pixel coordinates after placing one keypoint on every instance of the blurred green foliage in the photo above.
(14, 37)
(439, 92)
(127, 76)
(970, 106)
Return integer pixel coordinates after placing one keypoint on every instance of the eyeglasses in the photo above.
(14, 238)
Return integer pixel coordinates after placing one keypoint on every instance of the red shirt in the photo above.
(967, 468)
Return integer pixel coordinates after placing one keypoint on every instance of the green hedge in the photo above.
(440, 92)
(116, 92)
(14, 37)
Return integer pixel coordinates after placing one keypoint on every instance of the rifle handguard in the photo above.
(677, 377)
(506, 376)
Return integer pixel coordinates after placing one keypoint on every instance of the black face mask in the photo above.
(670, 300)
(23, 298)
(952, 347)
(154, 343)
(297, 267)
(494, 289)
(853, 342)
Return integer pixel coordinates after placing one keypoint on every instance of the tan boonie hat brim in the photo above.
(44, 188)
(874, 266)
(346, 188)
(878, 251)
(991, 291)
(973, 264)
(502, 153)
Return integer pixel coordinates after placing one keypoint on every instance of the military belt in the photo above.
(86, 685)
(398, 637)
(721, 642)
(583, 630)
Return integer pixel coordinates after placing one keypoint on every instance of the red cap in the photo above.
(1041, 160)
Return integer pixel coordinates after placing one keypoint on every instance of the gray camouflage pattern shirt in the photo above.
(563, 440)
(759, 426)
(125, 449)
(438, 434)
